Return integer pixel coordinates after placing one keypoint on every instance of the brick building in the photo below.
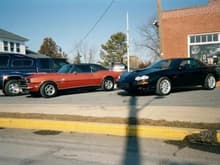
(191, 32)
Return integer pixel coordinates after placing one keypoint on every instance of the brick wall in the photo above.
(178, 24)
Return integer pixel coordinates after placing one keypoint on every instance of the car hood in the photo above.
(141, 72)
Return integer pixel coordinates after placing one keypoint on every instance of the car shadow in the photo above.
(152, 93)
(69, 92)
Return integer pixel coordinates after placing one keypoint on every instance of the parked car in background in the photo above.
(72, 76)
(167, 74)
(119, 67)
(15, 66)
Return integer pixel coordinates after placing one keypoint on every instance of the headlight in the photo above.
(139, 78)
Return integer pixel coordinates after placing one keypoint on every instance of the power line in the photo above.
(98, 20)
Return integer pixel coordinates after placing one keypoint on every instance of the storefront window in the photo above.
(205, 48)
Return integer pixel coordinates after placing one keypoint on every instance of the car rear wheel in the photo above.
(163, 86)
(210, 82)
(108, 84)
(12, 88)
(48, 89)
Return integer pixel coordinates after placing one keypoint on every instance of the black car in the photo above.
(167, 74)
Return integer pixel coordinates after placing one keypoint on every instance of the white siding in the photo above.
(22, 46)
(1, 46)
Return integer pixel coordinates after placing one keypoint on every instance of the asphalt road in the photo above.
(196, 97)
(35, 147)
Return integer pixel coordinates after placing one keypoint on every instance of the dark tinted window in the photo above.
(4, 61)
(191, 64)
(58, 63)
(44, 63)
(163, 64)
(96, 68)
(22, 63)
(83, 68)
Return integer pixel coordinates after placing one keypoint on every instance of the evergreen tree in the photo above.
(114, 50)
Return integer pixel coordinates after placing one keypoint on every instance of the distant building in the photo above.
(191, 32)
(12, 43)
(134, 61)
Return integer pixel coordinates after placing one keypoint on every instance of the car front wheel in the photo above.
(210, 82)
(163, 86)
(12, 88)
(48, 89)
(108, 84)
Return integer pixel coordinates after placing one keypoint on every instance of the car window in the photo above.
(57, 64)
(83, 68)
(65, 69)
(163, 64)
(96, 68)
(4, 61)
(44, 64)
(22, 63)
(190, 64)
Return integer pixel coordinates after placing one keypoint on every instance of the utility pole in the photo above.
(159, 12)
(128, 50)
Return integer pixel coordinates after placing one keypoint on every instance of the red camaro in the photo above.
(72, 76)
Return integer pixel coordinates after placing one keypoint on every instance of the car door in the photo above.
(189, 73)
(83, 77)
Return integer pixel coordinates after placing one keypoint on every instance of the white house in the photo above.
(12, 43)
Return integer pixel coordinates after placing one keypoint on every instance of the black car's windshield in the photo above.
(163, 64)
(65, 68)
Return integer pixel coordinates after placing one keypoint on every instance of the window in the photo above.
(44, 63)
(84, 68)
(192, 39)
(5, 45)
(12, 46)
(96, 68)
(215, 37)
(22, 63)
(18, 48)
(205, 38)
(4, 61)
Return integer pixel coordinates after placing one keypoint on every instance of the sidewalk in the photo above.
(114, 120)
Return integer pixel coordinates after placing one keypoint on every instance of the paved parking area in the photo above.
(187, 105)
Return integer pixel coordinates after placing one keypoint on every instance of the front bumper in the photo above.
(136, 86)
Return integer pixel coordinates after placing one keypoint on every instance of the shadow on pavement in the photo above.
(203, 141)
(132, 146)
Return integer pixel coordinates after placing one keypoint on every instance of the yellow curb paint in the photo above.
(170, 133)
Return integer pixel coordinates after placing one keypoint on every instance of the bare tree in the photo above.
(88, 54)
(150, 37)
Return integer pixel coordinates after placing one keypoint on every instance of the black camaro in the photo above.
(167, 74)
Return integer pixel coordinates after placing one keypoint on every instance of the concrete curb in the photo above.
(168, 133)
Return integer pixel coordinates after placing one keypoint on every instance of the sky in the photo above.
(68, 21)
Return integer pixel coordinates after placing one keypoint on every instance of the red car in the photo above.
(72, 76)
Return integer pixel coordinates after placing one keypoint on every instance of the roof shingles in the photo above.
(8, 35)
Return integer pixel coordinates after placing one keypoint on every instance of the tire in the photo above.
(48, 89)
(163, 86)
(210, 82)
(12, 88)
(108, 84)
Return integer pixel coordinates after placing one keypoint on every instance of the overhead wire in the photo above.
(98, 20)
